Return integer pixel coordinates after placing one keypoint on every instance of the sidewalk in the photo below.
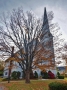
(3, 88)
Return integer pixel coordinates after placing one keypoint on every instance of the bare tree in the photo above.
(29, 37)
(64, 55)
(58, 42)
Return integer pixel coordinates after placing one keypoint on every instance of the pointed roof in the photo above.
(45, 25)
(45, 18)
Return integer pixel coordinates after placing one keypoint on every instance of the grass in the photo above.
(1, 79)
(34, 85)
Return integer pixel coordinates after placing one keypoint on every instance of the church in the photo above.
(47, 41)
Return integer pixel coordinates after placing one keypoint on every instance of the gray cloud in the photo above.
(31, 4)
(59, 7)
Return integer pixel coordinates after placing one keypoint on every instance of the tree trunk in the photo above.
(31, 74)
(9, 75)
(27, 78)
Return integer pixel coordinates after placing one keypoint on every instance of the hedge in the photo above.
(61, 77)
(57, 86)
(15, 75)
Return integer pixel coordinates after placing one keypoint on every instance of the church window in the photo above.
(5, 73)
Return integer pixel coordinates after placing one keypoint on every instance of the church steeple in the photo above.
(45, 26)
(46, 39)
(45, 20)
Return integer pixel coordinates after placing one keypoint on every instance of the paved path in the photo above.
(2, 87)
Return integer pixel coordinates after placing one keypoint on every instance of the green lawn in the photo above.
(34, 85)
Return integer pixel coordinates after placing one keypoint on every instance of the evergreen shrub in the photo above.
(18, 74)
(61, 77)
(57, 86)
(35, 74)
(44, 75)
(15, 75)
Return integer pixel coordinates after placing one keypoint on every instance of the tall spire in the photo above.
(45, 18)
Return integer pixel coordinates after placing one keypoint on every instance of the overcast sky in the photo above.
(59, 7)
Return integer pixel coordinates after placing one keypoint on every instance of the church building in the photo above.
(46, 40)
